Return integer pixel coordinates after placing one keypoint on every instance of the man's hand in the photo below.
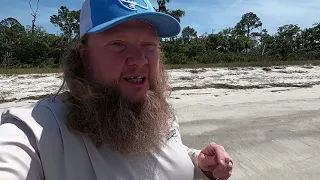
(215, 162)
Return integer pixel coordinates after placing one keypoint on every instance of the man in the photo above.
(114, 122)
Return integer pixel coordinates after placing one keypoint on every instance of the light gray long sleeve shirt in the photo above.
(35, 144)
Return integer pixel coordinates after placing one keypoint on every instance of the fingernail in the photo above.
(222, 165)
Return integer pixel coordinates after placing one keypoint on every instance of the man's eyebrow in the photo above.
(115, 35)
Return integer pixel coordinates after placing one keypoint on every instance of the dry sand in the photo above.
(268, 120)
(270, 135)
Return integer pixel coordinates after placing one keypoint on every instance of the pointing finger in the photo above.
(221, 154)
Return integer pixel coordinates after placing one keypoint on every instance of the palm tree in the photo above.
(177, 14)
(162, 6)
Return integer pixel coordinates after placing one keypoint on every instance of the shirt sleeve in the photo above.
(19, 159)
(193, 154)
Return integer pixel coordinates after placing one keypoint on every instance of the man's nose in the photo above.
(137, 57)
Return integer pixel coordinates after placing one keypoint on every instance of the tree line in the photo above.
(247, 41)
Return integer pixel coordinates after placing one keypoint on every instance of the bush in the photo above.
(176, 58)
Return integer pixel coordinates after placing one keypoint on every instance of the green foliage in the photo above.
(247, 42)
(68, 21)
(162, 7)
(19, 47)
(188, 33)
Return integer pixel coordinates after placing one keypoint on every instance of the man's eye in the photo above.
(119, 44)
(150, 46)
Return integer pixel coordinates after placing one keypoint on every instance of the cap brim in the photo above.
(165, 25)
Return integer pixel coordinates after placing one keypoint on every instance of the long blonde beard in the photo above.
(112, 120)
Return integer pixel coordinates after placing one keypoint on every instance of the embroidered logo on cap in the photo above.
(131, 4)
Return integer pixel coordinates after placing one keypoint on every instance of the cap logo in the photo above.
(132, 4)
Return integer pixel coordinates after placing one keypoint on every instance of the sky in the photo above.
(205, 16)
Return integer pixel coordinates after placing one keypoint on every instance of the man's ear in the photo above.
(83, 52)
(81, 49)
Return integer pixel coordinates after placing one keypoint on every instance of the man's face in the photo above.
(127, 55)
(127, 109)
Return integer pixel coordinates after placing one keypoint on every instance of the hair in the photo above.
(86, 120)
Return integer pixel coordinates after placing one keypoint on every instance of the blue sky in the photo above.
(203, 15)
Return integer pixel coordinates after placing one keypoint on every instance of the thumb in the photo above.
(207, 163)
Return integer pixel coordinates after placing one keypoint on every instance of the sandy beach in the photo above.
(269, 135)
(268, 119)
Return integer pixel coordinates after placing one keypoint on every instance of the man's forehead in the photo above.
(133, 26)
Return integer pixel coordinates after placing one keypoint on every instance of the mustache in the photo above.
(132, 71)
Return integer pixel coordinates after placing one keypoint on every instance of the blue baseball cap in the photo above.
(99, 15)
